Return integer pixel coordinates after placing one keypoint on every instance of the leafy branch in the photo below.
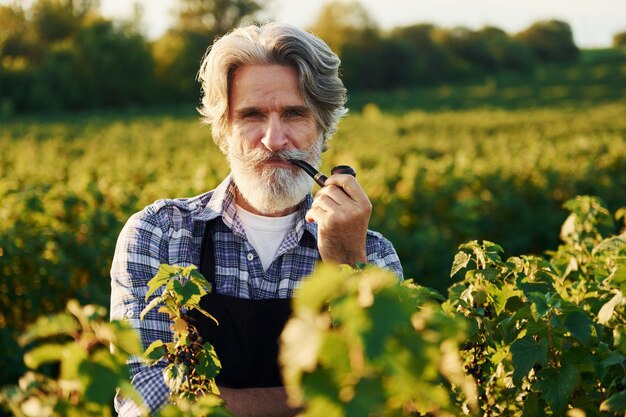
(191, 366)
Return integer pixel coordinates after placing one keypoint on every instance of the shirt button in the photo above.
(130, 314)
(250, 256)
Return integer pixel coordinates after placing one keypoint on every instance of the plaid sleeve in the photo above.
(380, 252)
(141, 247)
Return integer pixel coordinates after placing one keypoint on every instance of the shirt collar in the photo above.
(222, 203)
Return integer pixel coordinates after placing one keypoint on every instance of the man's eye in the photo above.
(294, 113)
(251, 115)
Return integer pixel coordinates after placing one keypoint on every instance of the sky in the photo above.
(594, 22)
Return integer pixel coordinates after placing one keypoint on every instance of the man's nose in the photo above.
(274, 138)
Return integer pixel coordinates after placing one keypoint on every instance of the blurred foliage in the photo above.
(61, 54)
(76, 360)
(525, 336)
(360, 344)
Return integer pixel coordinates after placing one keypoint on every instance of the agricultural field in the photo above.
(436, 180)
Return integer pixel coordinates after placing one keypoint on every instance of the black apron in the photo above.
(246, 339)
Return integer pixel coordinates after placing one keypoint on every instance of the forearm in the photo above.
(252, 402)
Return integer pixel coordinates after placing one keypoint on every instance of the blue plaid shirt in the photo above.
(170, 232)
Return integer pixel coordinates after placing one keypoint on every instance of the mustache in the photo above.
(259, 156)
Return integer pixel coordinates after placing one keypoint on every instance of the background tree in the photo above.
(352, 33)
(342, 22)
(215, 17)
(16, 35)
(63, 55)
(431, 60)
(177, 54)
(550, 41)
(619, 39)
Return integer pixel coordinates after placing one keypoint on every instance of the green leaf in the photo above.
(619, 338)
(100, 375)
(170, 411)
(492, 251)
(209, 364)
(461, 259)
(73, 356)
(189, 293)
(613, 358)
(558, 385)
(125, 337)
(155, 302)
(420, 293)
(501, 352)
(210, 405)
(325, 284)
(568, 229)
(155, 352)
(388, 315)
(368, 398)
(579, 325)
(606, 312)
(196, 277)
(531, 405)
(618, 276)
(46, 326)
(334, 354)
(51, 352)
(616, 403)
(612, 244)
(502, 295)
(351, 316)
(527, 353)
(539, 306)
(174, 376)
(324, 406)
(321, 389)
(206, 313)
(163, 275)
(301, 340)
(509, 326)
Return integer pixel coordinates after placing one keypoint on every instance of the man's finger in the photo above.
(349, 185)
(329, 203)
(334, 193)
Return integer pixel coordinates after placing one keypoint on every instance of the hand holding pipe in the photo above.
(317, 176)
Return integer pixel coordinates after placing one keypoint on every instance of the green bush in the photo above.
(525, 336)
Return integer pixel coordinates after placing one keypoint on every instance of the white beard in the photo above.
(270, 190)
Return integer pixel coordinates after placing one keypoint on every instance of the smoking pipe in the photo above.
(317, 176)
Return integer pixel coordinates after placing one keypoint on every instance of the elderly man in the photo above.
(270, 93)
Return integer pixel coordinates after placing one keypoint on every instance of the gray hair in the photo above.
(273, 43)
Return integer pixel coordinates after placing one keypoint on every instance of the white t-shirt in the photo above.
(266, 234)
